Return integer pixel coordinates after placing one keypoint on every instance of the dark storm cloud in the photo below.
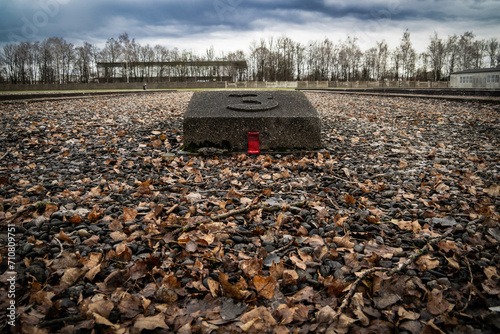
(98, 20)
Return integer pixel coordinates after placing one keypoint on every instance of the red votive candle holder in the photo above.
(253, 142)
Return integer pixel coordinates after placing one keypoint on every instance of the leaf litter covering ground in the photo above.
(392, 228)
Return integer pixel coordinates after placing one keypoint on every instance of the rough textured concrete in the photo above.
(285, 120)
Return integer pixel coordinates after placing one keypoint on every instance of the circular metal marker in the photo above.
(252, 102)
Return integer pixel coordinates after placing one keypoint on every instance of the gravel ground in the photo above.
(392, 228)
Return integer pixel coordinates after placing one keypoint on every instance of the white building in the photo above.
(487, 78)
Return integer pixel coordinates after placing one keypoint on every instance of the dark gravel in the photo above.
(109, 213)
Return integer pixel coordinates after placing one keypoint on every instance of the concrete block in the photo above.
(285, 120)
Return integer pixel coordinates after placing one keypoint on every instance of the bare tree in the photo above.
(111, 54)
(382, 58)
(437, 53)
(300, 58)
(83, 61)
(129, 53)
(466, 51)
(9, 62)
(479, 51)
(369, 64)
(407, 56)
(350, 56)
(260, 55)
(452, 53)
(492, 49)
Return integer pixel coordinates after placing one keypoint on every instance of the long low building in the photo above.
(488, 78)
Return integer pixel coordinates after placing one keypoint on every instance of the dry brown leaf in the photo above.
(298, 262)
(277, 270)
(150, 323)
(436, 304)
(231, 291)
(129, 214)
(493, 190)
(316, 241)
(64, 237)
(491, 272)
(447, 246)
(372, 247)
(102, 307)
(100, 320)
(36, 189)
(491, 287)
(413, 226)
(115, 225)
(72, 275)
(304, 295)
(290, 277)
(122, 251)
(164, 294)
(427, 262)
(95, 214)
(92, 241)
(452, 263)
(344, 242)
(129, 305)
(320, 253)
(259, 319)
(305, 257)
(90, 275)
(286, 314)
(214, 287)
(94, 192)
(264, 286)
(76, 219)
(358, 304)
(407, 315)
(251, 267)
(349, 199)
(325, 315)
(118, 236)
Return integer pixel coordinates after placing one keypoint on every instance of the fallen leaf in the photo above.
(259, 319)
(231, 310)
(71, 276)
(344, 241)
(264, 286)
(349, 199)
(493, 190)
(232, 291)
(436, 304)
(118, 236)
(129, 214)
(103, 307)
(304, 295)
(64, 237)
(100, 320)
(124, 252)
(427, 262)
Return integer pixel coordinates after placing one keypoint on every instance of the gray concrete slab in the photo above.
(285, 120)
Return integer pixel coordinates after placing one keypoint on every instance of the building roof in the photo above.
(478, 70)
(230, 63)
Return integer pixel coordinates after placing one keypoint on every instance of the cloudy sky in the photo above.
(230, 25)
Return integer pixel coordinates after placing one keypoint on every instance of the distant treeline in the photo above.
(54, 60)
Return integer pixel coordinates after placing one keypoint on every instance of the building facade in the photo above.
(484, 78)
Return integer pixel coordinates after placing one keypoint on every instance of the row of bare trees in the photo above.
(273, 59)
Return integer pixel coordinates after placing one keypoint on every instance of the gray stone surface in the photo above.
(285, 120)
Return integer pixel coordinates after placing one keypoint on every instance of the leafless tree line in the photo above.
(54, 60)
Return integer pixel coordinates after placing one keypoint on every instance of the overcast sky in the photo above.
(230, 25)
